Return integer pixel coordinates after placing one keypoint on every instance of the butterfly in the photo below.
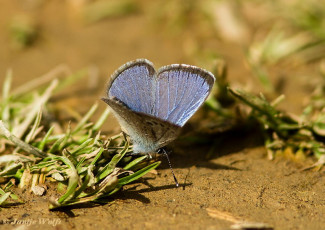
(152, 106)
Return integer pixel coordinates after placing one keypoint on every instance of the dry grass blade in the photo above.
(238, 223)
(19, 143)
(214, 213)
(20, 129)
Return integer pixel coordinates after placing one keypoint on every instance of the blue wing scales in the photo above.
(172, 94)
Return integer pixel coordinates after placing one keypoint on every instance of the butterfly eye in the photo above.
(161, 151)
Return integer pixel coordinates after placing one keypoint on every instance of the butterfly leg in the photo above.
(163, 151)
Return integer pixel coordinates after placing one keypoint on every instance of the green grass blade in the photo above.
(84, 120)
(82, 146)
(43, 142)
(101, 120)
(31, 135)
(134, 162)
(100, 151)
(73, 179)
(55, 147)
(66, 138)
(111, 165)
(3, 198)
(84, 184)
(138, 174)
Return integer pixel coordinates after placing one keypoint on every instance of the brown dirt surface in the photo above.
(238, 183)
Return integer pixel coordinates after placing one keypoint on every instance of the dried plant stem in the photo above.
(21, 144)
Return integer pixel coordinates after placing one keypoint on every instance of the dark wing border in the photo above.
(208, 76)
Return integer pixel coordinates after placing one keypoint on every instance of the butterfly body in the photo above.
(151, 106)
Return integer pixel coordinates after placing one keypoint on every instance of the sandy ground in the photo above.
(237, 184)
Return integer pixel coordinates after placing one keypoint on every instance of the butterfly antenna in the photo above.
(170, 166)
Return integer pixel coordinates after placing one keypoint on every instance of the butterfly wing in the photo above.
(180, 91)
(134, 85)
(174, 94)
(153, 107)
(147, 133)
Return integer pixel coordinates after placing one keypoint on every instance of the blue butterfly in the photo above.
(152, 106)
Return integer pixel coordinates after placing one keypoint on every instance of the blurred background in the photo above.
(270, 46)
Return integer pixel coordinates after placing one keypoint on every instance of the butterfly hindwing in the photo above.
(147, 133)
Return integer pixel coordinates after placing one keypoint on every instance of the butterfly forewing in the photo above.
(134, 85)
(182, 90)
